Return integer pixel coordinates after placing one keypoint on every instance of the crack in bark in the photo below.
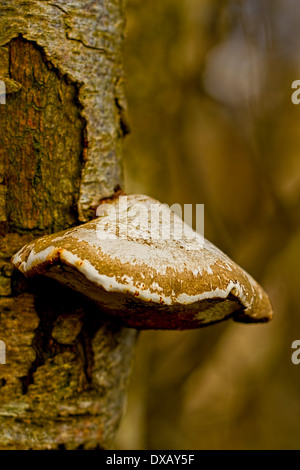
(59, 8)
(95, 48)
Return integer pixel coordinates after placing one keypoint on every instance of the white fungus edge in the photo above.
(110, 284)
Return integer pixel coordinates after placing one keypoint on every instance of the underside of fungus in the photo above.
(144, 266)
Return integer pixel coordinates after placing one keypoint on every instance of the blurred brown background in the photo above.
(212, 122)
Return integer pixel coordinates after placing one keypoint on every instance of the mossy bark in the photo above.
(61, 130)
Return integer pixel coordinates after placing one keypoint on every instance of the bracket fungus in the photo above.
(145, 267)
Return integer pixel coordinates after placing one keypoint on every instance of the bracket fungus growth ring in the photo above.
(143, 278)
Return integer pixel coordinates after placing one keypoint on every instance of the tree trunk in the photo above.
(61, 130)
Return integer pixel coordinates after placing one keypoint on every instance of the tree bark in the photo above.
(61, 129)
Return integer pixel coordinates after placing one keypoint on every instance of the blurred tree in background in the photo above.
(212, 122)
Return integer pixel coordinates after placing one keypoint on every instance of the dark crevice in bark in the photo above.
(2, 382)
(51, 308)
(84, 349)
(124, 122)
(43, 344)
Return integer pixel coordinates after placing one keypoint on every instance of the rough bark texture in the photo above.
(64, 381)
(82, 41)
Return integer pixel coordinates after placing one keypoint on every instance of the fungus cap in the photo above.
(142, 264)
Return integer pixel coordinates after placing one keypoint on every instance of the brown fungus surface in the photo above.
(141, 263)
